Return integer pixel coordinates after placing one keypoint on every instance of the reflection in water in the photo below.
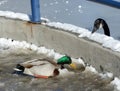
(80, 81)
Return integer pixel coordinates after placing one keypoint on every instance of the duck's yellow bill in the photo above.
(73, 65)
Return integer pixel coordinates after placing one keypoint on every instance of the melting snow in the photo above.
(116, 83)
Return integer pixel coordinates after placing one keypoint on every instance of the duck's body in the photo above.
(45, 68)
(42, 68)
(101, 23)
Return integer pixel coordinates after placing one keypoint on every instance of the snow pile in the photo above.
(90, 69)
(67, 27)
(14, 15)
(21, 16)
(116, 83)
(107, 75)
(9, 44)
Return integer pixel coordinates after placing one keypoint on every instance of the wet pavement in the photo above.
(80, 81)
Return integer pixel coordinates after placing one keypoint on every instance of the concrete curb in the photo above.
(63, 42)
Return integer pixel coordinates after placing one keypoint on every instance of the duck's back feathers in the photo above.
(45, 70)
(38, 62)
(39, 68)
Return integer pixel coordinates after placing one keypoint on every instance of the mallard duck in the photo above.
(43, 68)
(101, 23)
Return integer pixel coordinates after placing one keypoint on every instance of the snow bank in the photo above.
(9, 44)
(107, 75)
(13, 15)
(21, 16)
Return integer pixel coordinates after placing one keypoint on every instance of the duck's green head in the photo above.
(64, 60)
